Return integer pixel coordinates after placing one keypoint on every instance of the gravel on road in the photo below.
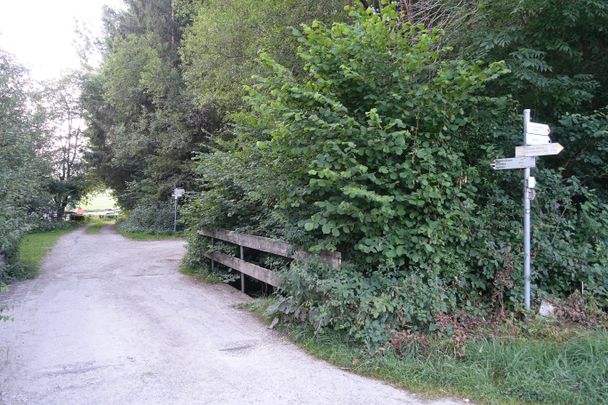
(112, 321)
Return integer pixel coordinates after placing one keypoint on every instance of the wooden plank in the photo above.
(255, 271)
(261, 243)
(273, 246)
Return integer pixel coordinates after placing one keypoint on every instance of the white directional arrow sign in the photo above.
(532, 139)
(538, 150)
(514, 163)
(537, 134)
(536, 128)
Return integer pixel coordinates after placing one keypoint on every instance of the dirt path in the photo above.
(112, 321)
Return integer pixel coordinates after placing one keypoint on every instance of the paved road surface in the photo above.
(112, 321)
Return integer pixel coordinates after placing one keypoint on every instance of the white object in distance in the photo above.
(178, 192)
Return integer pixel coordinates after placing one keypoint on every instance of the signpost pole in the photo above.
(177, 193)
(175, 217)
(536, 143)
(526, 219)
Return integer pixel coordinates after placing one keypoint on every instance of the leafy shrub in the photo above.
(585, 137)
(382, 152)
(368, 308)
(150, 217)
(569, 244)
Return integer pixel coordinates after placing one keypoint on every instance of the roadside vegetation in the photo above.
(33, 247)
(199, 274)
(41, 165)
(97, 223)
(149, 235)
(540, 360)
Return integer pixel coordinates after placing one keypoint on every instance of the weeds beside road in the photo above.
(149, 236)
(534, 362)
(32, 249)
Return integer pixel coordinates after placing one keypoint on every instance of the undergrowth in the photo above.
(537, 361)
(199, 273)
(149, 235)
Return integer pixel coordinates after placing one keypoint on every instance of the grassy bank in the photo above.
(548, 366)
(201, 275)
(149, 236)
(32, 249)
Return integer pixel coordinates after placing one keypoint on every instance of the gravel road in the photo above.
(112, 321)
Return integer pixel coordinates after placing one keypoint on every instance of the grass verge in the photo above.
(567, 368)
(32, 249)
(93, 229)
(149, 236)
(199, 274)
(97, 225)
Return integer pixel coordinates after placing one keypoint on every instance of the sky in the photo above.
(41, 33)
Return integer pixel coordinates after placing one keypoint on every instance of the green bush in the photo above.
(383, 152)
(369, 308)
(151, 218)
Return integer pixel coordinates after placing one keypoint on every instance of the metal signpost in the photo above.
(536, 143)
(177, 193)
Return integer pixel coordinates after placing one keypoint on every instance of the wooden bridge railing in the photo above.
(262, 244)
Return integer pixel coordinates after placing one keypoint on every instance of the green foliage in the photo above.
(156, 218)
(143, 123)
(555, 49)
(199, 274)
(33, 247)
(60, 100)
(366, 307)
(382, 152)
(240, 190)
(222, 44)
(585, 137)
(494, 370)
(372, 147)
(556, 52)
(23, 168)
(569, 243)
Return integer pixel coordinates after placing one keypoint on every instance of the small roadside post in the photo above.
(536, 143)
(177, 193)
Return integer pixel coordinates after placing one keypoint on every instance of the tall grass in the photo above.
(567, 367)
(149, 235)
(494, 371)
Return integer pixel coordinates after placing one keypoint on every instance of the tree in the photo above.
(221, 46)
(143, 123)
(65, 123)
(23, 167)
